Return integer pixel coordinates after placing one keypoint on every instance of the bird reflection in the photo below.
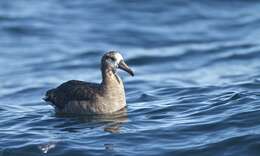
(112, 122)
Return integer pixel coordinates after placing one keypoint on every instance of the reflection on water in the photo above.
(46, 147)
(112, 121)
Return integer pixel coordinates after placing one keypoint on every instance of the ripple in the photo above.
(196, 89)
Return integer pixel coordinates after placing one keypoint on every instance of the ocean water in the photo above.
(196, 91)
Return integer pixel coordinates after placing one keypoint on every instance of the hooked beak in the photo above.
(122, 65)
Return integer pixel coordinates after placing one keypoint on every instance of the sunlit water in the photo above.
(196, 89)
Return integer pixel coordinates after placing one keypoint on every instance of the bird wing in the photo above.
(72, 90)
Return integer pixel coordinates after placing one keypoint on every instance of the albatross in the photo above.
(79, 97)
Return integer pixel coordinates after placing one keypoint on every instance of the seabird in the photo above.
(79, 97)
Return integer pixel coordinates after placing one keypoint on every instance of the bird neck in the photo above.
(111, 82)
(113, 88)
(109, 77)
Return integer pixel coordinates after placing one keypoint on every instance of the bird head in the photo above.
(114, 60)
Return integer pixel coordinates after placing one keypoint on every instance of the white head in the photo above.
(118, 57)
(113, 60)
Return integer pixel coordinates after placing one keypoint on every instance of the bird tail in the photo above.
(48, 96)
(45, 98)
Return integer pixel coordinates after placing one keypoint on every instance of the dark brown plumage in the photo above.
(81, 97)
(70, 91)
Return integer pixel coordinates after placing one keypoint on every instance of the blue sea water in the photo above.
(196, 89)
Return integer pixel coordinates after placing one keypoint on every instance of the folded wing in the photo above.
(71, 91)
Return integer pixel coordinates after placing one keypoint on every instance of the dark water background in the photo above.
(196, 89)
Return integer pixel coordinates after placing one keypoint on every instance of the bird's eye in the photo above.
(112, 58)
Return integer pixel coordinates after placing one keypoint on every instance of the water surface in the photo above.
(196, 89)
